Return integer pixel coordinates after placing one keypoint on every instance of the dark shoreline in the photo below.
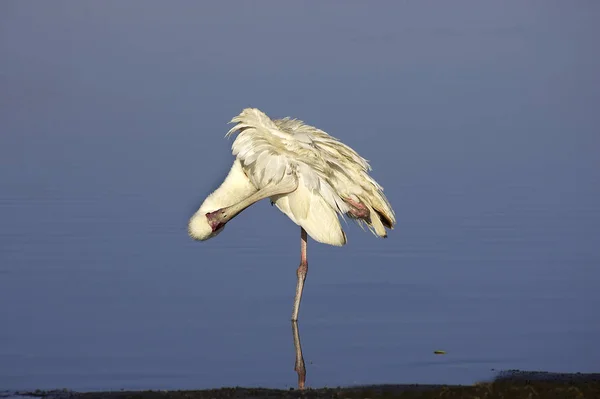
(508, 384)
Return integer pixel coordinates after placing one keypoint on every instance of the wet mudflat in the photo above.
(512, 384)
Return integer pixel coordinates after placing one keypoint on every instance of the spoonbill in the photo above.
(309, 175)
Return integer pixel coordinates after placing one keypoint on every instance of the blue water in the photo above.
(480, 120)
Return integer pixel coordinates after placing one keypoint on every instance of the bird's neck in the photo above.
(234, 189)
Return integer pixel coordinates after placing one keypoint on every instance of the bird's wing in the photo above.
(270, 150)
(268, 154)
(348, 173)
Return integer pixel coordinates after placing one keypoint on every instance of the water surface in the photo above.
(479, 120)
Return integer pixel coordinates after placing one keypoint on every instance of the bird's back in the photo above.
(333, 178)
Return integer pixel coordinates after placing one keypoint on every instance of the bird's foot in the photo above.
(216, 219)
(357, 209)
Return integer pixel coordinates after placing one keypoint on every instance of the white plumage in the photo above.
(309, 175)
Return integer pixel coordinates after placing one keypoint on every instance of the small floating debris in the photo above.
(439, 352)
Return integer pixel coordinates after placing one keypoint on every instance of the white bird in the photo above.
(309, 175)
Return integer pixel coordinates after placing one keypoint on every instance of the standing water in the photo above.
(480, 121)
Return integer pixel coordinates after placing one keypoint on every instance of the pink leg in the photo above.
(301, 274)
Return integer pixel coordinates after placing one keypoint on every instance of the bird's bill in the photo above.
(218, 218)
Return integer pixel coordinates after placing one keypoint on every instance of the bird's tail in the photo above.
(371, 208)
(382, 215)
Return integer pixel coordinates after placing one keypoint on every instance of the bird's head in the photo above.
(205, 225)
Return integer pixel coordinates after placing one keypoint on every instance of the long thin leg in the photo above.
(299, 365)
(301, 274)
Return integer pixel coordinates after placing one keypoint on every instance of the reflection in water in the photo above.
(299, 366)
